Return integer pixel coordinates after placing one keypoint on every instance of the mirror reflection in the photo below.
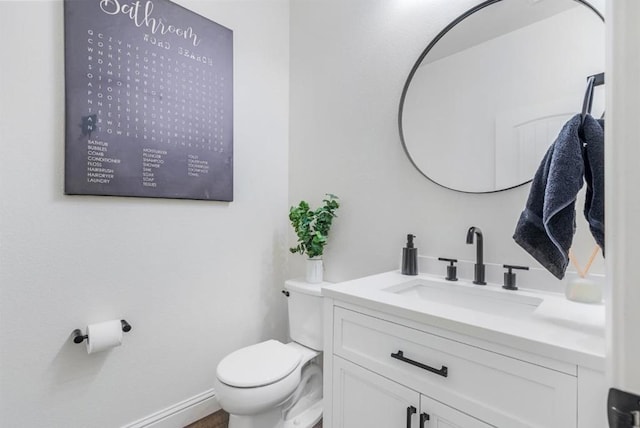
(489, 95)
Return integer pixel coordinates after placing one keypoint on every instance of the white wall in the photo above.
(349, 62)
(195, 279)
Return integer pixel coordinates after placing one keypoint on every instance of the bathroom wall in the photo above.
(195, 279)
(349, 62)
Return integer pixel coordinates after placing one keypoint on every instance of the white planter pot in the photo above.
(314, 271)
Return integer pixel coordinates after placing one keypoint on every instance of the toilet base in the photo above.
(307, 419)
(270, 419)
(273, 419)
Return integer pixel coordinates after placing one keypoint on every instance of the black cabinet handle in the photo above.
(444, 371)
(424, 417)
(410, 411)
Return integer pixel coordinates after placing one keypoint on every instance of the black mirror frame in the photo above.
(415, 67)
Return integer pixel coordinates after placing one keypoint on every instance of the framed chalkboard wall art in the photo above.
(149, 101)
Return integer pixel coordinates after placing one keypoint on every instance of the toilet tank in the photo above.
(305, 313)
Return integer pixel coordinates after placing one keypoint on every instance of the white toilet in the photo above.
(276, 385)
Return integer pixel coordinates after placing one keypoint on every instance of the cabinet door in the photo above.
(363, 399)
(439, 415)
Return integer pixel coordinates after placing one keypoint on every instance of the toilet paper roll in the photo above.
(103, 336)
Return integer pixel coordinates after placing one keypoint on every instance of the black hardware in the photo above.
(451, 269)
(620, 419)
(623, 409)
(285, 292)
(444, 371)
(478, 277)
(510, 277)
(587, 103)
(78, 337)
(410, 411)
(424, 417)
(598, 79)
(592, 82)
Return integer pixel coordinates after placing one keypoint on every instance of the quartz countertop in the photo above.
(558, 328)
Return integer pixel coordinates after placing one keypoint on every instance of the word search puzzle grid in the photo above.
(149, 101)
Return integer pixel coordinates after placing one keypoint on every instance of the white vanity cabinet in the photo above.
(383, 372)
(365, 399)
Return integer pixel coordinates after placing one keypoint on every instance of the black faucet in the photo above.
(478, 277)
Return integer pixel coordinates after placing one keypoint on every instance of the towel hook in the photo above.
(592, 81)
(587, 103)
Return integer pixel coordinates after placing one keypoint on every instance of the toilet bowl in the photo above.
(277, 385)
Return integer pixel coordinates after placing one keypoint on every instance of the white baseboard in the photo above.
(180, 414)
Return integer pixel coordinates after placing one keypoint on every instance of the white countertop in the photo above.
(558, 328)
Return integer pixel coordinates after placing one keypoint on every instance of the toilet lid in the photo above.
(258, 365)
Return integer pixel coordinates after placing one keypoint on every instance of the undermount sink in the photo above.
(475, 297)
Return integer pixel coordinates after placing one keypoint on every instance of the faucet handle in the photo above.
(451, 269)
(510, 277)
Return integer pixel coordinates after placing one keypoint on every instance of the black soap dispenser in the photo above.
(410, 257)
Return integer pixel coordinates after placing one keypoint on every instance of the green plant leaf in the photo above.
(312, 226)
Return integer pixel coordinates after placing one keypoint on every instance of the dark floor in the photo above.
(220, 419)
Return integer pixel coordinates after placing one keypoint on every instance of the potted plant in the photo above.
(312, 228)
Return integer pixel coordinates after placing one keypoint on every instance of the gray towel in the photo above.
(547, 224)
(593, 134)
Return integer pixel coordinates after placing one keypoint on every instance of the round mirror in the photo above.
(491, 92)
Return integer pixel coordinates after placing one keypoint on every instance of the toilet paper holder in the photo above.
(78, 337)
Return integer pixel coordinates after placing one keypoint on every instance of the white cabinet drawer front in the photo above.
(500, 390)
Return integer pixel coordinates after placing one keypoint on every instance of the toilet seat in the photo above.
(258, 365)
